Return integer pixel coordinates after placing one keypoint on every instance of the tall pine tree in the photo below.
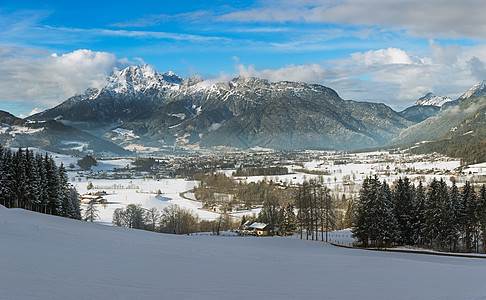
(404, 209)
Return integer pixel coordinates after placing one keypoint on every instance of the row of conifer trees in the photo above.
(435, 216)
(32, 181)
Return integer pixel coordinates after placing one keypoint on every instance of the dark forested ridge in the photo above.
(34, 182)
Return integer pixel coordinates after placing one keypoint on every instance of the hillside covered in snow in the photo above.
(47, 257)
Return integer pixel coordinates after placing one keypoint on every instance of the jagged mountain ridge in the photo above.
(140, 106)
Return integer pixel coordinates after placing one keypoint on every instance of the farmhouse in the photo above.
(262, 229)
(87, 198)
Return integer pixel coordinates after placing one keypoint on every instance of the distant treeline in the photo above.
(470, 149)
(261, 171)
(435, 216)
(34, 182)
(172, 219)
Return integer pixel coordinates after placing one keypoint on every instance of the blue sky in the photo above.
(375, 50)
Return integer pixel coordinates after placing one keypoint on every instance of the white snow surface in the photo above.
(122, 192)
(48, 257)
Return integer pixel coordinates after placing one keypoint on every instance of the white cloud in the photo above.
(45, 81)
(432, 18)
(153, 20)
(33, 112)
(139, 34)
(392, 76)
(381, 57)
(310, 73)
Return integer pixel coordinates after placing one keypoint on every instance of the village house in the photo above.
(87, 198)
(262, 229)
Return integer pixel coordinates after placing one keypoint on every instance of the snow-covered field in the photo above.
(47, 257)
(122, 192)
(356, 172)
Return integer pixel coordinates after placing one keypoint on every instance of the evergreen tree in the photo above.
(32, 181)
(54, 203)
(91, 212)
(469, 215)
(482, 215)
(67, 206)
(449, 225)
(43, 183)
(70, 207)
(75, 212)
(434, 206)
(404, 209)
(365, 219)
(6, 180)
(452, 218)
(420, 201)
(18, 179)
(2, 170)
(289, 220)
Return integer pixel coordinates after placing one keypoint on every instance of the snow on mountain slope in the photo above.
(477, 90)
(47, 257)
(431, 99)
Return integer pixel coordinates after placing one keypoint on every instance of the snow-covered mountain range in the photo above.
(143, 110)
(164, 110)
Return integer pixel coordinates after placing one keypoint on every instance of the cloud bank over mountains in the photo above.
(392, 75)
(28, 75)
(373, 50)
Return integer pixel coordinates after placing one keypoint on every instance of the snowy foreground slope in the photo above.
(46, 257)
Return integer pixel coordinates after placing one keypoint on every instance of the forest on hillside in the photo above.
(34, 182)
(434, 216)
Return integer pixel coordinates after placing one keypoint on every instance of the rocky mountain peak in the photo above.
(248, 81)
(137, 79)
(431, 99)
(477, 90)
